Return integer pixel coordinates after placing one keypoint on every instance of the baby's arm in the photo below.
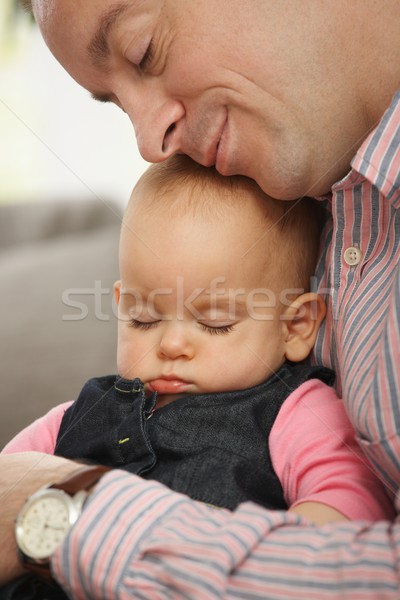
(318, 513)
(323, 472)
(39, 436)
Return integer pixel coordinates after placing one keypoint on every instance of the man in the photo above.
(289, 94)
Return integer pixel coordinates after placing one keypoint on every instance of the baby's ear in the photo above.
(300, 323)
(117, 291)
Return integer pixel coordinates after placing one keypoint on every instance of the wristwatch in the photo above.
(48, 515)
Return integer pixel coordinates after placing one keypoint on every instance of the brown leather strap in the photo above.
(42, 571)
(82, 479)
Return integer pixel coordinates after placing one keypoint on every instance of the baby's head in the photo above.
(214, 281)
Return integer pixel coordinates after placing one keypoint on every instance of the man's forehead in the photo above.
(44, 10)
(98, 17)
(41, 8)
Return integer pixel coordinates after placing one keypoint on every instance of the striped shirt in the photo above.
(136, 539)
(360, 337)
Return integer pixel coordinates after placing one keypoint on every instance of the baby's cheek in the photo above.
(126, 360)
(224, 372)
(135, 357)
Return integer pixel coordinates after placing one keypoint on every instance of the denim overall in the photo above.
(211, 447)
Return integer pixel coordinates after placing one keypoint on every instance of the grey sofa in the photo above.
(58, 263)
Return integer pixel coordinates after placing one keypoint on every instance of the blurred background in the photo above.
(67, 167)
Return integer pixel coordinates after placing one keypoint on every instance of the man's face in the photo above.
(240, 86)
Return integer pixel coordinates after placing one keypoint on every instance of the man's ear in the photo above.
(117, 291)
(300, 322)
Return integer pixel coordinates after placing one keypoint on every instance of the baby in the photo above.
(214, 397)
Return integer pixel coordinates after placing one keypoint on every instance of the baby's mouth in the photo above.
(168, 385)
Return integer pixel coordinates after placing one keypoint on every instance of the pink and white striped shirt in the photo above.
(136, 539)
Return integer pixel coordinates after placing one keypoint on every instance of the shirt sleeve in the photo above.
(41, 435)
(136, 539)
(317, 459)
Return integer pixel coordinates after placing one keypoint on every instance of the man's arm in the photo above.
(139, 538)
(143, 540)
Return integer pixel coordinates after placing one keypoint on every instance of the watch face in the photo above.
(43, 523)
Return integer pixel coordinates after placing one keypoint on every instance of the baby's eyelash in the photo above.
(221, 330)
(144, 325)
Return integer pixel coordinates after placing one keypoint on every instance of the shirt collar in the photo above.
(378, 158)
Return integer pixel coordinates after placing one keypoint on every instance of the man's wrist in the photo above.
(21, 475)
(48, 515)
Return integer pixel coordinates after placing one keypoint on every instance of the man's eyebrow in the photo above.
(98, 48)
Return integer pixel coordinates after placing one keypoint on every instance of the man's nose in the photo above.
(175, 342)
(158, 122)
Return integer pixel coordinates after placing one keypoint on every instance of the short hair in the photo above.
(26, 5)
(297, 223)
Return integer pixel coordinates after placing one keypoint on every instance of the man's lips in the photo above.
(211, 154)
(223, 155)
(168, 385)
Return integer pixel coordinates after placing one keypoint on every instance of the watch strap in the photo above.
(40, 570)
(81, 479)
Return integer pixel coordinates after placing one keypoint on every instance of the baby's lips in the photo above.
(168, 386)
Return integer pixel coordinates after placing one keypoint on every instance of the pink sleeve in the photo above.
(41, 435)
(316, 457)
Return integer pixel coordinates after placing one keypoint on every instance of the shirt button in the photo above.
(352, 256)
